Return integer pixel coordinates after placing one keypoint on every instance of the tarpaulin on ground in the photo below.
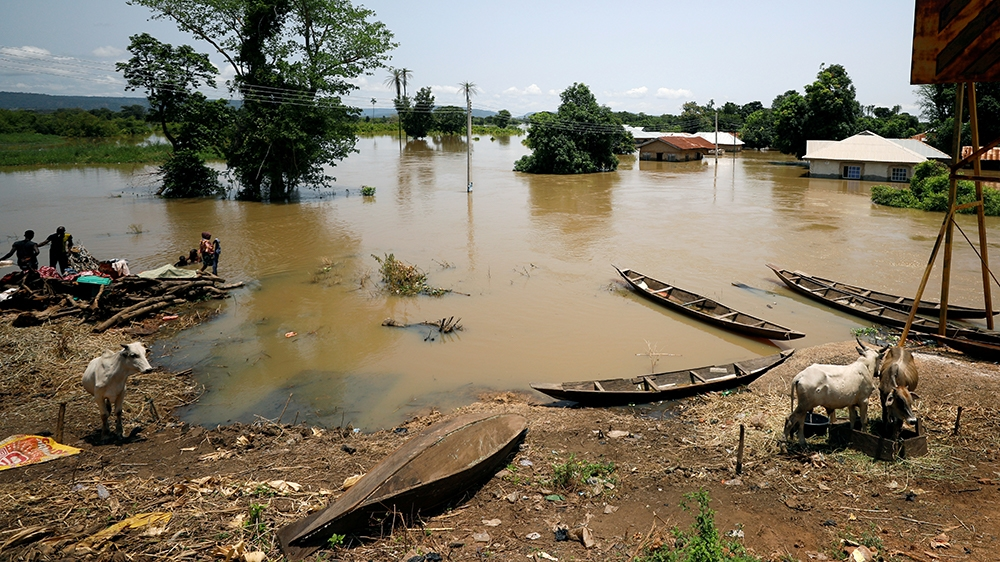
(19, 450)
(168, 272)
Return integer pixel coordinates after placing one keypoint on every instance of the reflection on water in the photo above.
(527, 256)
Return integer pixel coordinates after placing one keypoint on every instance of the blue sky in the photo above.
(649, 57)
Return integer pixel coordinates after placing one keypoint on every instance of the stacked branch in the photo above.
(41, 300)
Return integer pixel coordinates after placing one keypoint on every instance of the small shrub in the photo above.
(335, 540)
(573, 475)
(894, 196)
(367, 191)
(404, 279)
(702, 542)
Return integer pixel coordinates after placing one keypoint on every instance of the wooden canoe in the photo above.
(671, 385)
(927, 308)
(705, 309)
(430, 469)
(875, 311)
(978, 348)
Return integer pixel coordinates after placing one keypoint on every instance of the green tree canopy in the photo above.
(294, 60)
(502, 118)
(833, 109)
(788, 118)
(419, 119)
(581, 138)
(757, 129)
(449, 119)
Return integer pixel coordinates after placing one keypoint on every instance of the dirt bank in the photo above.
(233, 486)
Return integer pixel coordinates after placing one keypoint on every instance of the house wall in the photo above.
(670, 153)
(870, 171)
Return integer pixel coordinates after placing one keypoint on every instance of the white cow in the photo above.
(105, 379)
(832, 387)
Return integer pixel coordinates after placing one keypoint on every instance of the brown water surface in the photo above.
(529, 258)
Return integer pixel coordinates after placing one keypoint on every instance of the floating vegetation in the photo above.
(367, 191)
(400, 278)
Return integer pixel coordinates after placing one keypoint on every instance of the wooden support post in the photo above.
(60, 422)
(958, 421)
(980, 208)
(739, 451)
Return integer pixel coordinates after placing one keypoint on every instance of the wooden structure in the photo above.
(671, 385)
(705, 309)
(433, 467)
(955, 42)
(909, 445)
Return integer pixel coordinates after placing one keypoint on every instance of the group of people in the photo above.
(208, 250)
(60, 245)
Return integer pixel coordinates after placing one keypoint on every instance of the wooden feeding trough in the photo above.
(909, 445)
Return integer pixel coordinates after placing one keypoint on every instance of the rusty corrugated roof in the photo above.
(991, 154)
(687, 143)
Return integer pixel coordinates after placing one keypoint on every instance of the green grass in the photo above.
(702, 543)
(572, 475)
(33, 149)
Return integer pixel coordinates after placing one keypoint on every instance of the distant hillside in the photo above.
(46, 102)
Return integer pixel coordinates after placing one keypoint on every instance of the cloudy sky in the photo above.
(649, 57)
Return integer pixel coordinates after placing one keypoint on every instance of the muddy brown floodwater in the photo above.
(528, 257)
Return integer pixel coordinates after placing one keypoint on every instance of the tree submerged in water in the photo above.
(581, 138)
(928, 191)
(403, 279)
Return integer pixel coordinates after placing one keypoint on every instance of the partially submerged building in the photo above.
(674, 147)
(867, 156)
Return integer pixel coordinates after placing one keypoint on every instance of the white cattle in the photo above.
(832, 387)
(105, 379)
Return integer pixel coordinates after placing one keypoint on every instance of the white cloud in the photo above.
(670, 93)
(532, 90)
(636, 92)
(445, 89)
(108, 51)
(26, 52)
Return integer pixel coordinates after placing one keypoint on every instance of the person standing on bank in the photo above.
(206, 249)
(61, 244)
(216, 250)
(27, 252)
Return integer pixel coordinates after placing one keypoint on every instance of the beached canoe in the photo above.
(875, 311)
(705, 309)
(905, 304)
(433, 467)
(671, 385)
(987, 350)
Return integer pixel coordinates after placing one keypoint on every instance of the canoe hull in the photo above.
(671, 385)
(705, 309)
(905, 304)
(426, 472)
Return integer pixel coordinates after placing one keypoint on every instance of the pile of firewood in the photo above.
(40, 300)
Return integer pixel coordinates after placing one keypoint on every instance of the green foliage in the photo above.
(928, 191)
(788, 118)
(335, 540)
(419, 119)
(702, 542)
(186, 175)
(580, 139)
(72, 123)
(255, 522)
(573, 475)
(450, 119)
(501, 119)
(39, 151)
(403, 279)
(293, 62)
(757, 129)
(367, 191)
(833, 109)
(894, 196)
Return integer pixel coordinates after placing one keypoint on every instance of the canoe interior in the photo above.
(901, 303)
(706, 308)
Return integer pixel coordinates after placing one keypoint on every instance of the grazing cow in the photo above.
(832, 387)
(105, 379)
(897, 380)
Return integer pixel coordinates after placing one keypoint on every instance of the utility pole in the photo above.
(469, 88)
(716, 136)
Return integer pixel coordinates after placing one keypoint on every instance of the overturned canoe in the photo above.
(705, 309)
(430, 469)
(905, 304)
(663, 386)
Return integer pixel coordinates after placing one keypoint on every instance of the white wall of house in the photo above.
(870, 171)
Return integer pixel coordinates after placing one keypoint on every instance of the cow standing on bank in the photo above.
(105, 379)
(897, 380)
(832, 387)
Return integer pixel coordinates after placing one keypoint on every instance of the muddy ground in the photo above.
(227, 489)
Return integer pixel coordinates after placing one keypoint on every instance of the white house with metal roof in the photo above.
(867, 156)
(726, 141)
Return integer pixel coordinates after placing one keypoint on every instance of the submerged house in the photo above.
(726, 141)
(867, 156)
(674, 147)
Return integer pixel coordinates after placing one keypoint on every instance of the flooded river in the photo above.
(528, 258)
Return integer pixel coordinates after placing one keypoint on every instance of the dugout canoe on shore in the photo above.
(705, 309)
(670, 385)
(433, 467)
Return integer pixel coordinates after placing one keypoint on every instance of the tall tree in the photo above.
(833, 109)
(757, 130)
(788, 118)
(170, 77)
(419, 119)
(293, 60)
(581, 138)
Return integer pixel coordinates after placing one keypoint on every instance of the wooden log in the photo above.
(148, 309)
(739, 451)
(97, 298)
(120, 315)
(60, 420)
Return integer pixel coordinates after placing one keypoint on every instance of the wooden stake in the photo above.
(739, 451)
(958, 421)
(60, 422)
